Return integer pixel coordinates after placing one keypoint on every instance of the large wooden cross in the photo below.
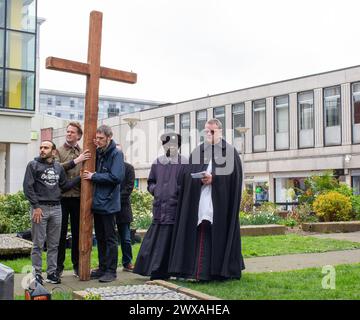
(93, 72)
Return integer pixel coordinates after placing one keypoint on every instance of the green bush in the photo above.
(14, 213)
(303, 213)
(267, 207)
(333, 206)
(141, 204)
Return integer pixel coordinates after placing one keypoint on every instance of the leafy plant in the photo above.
(14, 213)
(267, 207)
(333, 206)
(92, 296)
(247, 201)
(141, 204)
(304, 213)
(258, 218)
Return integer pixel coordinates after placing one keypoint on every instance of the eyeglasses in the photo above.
(207, 131)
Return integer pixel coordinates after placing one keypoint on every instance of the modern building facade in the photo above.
(293, 129)
(70, 105)
(18, 80)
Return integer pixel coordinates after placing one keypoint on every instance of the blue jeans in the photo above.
(125, 242)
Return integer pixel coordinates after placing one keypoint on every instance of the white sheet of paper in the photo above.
(198, 175)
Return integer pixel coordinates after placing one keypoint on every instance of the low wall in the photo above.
(332, 227)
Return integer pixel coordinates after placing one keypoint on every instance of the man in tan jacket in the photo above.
(71, 157)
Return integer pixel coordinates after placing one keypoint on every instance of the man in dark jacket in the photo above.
(125, 217)
(44, 181)
(153, 256)
(106, 201)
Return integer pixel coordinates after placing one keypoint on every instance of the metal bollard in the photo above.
(6, 283)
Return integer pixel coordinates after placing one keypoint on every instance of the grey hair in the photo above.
(215, 121)
(106, 130)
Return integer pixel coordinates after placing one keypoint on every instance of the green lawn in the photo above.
(251, 247)
(303, 284)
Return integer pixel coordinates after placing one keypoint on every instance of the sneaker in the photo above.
(53, 278)
(76, 273)
(39, 278)
(59, 273)
(107, 277)
(96, 274)
(128, 268)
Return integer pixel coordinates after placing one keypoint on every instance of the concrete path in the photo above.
(301, 261)
(350, 236)
(71, 283)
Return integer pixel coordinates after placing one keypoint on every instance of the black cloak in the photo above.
(226, 257)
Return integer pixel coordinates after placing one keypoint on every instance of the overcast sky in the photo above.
(185, 49)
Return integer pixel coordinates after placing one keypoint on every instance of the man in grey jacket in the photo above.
(44, 181)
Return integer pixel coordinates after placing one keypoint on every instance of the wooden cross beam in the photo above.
(93, 72)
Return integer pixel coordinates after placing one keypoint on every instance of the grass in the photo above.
(291, 243)
(303, 284)
(251, 247)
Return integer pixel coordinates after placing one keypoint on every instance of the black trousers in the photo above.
(107, 242)
(70, 206)
(203, 251)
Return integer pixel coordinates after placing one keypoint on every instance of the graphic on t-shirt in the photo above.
(50, 177)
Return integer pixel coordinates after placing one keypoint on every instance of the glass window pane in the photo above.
(259, 117)
(282, 114)
(238, 118)
(185, 133)
(201, 118)
(332, 106)
(219, 113)
(1, 48)
(19, 90)
(356, 112)
(2, 13)
(169, 124)
(21, 15)
(1, 89)
(306, 110)
(20, 51)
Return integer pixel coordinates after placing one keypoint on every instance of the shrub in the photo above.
(247, 201)
(141, 204)
(303, 213)
(14, 210)
(267, 207)
(333, 206)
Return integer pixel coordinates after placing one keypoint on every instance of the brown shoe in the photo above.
(128, 268)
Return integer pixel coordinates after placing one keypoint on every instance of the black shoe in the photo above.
(39, 278)
(53, 278)
(76, 273)
(96, 274)
(107, 277)
(59, 273)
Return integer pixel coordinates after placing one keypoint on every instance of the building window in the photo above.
(201, 118)
(58, 102)
(288, 190)
(58, 114)
(113, 111)
(356, 112)
(72, 103)
(21, 15)
(20, 51)
(281, 122)
(332, 116)
(306, 119)
(259, 125)
(49, 113)
(19, 90)
(169, 124)
(80, 116)
(49, 101)
(185, 133)
(238, 121)
(356, 184)
(72, 116)
(219, 113)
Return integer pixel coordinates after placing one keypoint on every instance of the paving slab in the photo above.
(12, 245)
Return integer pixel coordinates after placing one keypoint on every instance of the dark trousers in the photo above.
(107, 242)
(125, 242)
(203, 251)
(69, 207)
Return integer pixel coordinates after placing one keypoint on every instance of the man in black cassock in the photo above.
(206, 243)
